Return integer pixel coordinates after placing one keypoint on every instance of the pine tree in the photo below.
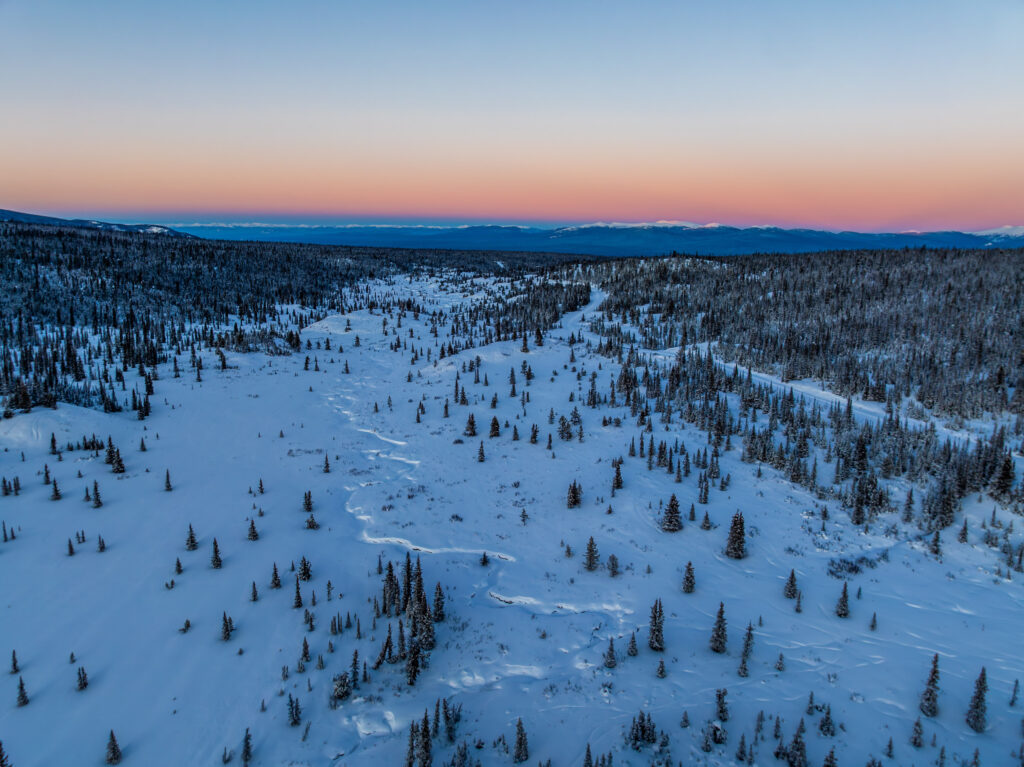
(275, 579)
(297, 602)
(689, 582)
(167, 481)
(631, 648)
(591, 558)
(718, 633)
(424, 758)
(253, 533)
(22, 694)
(609, 655)
(470, 430)
(672, 522)
(843, 605)
(190, 542)
(215, 560)
(97, 502)
(613, 565)
(247, 747)
(796, 751)
(113, 750)
(917, 734)
(14, 662)
(736, 547)
(83, 678)
(929, 704)
(522, 751)
(790, 589)
(656, 635)
(4, 762)
(976, 714)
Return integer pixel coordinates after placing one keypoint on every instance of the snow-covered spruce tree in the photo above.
(796, 751)
(929, 704)
(470, 430)
(215, 560)
(790, 589)
(672, 522)
(522, 750)
(976, 714)
(247, 748)
(609, 654)
(656, 632)
(689, 582)
(721, 706)
(613, 565)
(843, 605)
(190, 542)
(113, 750)
(424, 757)
(736, 547)
(917, 734)
(718, 633)
(253, 534)
(631, 648)
(591, 558)
(22, 693)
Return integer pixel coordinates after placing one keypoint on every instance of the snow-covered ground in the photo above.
(524, 636)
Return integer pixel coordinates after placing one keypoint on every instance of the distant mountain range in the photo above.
(591, 239)
(81, 223)
(609, 239)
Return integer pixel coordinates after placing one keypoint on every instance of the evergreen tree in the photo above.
(631, 648)
(672, 522)
(843, 605)
(929, 704)
(718, 633)
(424, 758)
(247, 748)
(796, 751)
(609, 655)
(591, 558)
(167, 481)
(917, 734)
(22, 693)
(215, 560)
(790, 589)
(522, 751)
(253, 533)
(656, 635)
(689, 582)
(976, 713)
(113, 750)
(735, 547)
(190, 542)
(4, 762)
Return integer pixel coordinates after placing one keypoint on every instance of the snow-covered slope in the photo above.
(524, 636)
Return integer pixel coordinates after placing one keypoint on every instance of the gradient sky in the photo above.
(870, 115)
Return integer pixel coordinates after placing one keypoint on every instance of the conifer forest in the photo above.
(290, 504)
